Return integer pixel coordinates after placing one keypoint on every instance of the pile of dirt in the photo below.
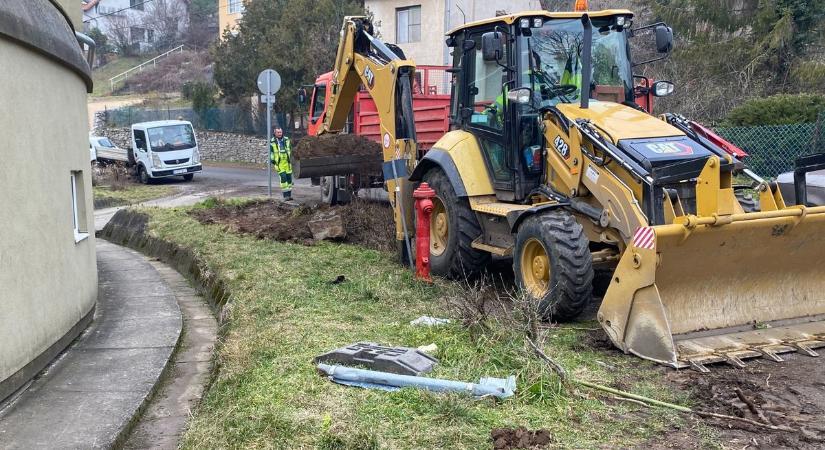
(368, 224)
(505, 438)
(790, 394)
(335, 145)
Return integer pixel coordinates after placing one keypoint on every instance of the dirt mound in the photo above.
(368, 224)
(791, 393)
(505, 438)
(335, 144)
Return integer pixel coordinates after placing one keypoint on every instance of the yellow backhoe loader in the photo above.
(551, 161)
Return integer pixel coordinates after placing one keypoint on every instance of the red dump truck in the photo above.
(431, 103)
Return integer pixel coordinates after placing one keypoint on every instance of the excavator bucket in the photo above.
(714, 288)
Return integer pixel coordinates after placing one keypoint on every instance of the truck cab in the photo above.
(164, 149)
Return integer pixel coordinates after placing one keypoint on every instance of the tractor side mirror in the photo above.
(662, 88)
(520, 96)
(492, 46)
(664, 39)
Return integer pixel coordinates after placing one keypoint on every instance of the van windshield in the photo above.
(171, 137)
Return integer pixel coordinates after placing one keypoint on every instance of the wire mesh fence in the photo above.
(772, 149)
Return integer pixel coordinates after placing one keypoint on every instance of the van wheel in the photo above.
(553, 266)
(453, 227)
(188, 177)
(143, 175)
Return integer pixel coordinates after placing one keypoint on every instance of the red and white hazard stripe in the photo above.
(645, 237)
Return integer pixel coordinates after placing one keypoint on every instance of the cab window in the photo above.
(486, 93)
(318, 101)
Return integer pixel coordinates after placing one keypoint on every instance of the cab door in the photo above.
(508, 134)
(484, 111)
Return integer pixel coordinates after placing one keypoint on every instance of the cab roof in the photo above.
(510, 18)
(159, 123)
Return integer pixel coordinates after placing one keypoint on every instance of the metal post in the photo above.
(269, 134)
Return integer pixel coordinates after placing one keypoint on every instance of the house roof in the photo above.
(510, 18)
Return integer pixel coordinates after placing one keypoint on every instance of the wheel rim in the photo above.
(326, 189)
(439, 228)
(535, 268)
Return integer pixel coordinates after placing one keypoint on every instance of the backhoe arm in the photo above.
(364, 59)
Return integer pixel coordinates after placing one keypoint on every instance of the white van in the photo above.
(165, 148)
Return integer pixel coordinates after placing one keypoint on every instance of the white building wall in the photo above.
(438, 17)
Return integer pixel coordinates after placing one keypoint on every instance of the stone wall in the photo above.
(214, 146)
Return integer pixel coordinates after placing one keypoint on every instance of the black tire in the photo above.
(329, 190)
(570, 286)
(748, 202)
(143, 175)
(459, 258)
(188, 177)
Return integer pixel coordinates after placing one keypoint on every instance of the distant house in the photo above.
(136, 23)
(48, 273)
(419, 26)
(229, 12)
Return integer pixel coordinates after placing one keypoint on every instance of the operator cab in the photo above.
(510, 70)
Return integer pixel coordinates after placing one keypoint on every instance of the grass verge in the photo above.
(130, 194)
(284, 311)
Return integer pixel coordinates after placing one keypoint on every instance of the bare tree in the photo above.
(118, 31)
(167, 21)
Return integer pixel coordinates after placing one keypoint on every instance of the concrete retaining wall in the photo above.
(129, 228)
(213, 145)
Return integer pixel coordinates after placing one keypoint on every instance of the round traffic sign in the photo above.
(269, 82)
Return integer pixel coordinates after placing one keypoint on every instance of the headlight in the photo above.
(196, 156)
(156, 160)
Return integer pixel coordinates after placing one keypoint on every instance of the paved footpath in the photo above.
(90, 394)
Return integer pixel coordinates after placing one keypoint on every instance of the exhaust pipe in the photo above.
(586, 61)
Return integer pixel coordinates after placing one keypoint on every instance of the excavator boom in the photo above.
(363, 59)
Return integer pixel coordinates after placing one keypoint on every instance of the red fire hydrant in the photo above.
(423, 208)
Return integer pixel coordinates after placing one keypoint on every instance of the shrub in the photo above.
(777, 110)
(203, 97)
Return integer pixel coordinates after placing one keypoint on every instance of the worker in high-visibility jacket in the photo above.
(280, 153)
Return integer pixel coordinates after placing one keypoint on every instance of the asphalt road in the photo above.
(229, 181)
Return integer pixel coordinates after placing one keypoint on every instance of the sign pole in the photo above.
(269, 83)
(269, 135)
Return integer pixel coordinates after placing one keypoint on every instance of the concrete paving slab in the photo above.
(138, 332)
(109, 370)
(65, 419)
(140, 307)
(127, 275)
(134, 289)
(90, 394)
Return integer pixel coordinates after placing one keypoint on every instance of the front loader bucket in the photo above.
(721, 289)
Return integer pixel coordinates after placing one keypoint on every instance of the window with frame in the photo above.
(78, 191)
(318, 103)
(235, 6)
(137, 34)
(136, 4)
(486, 89)
(408, 24)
